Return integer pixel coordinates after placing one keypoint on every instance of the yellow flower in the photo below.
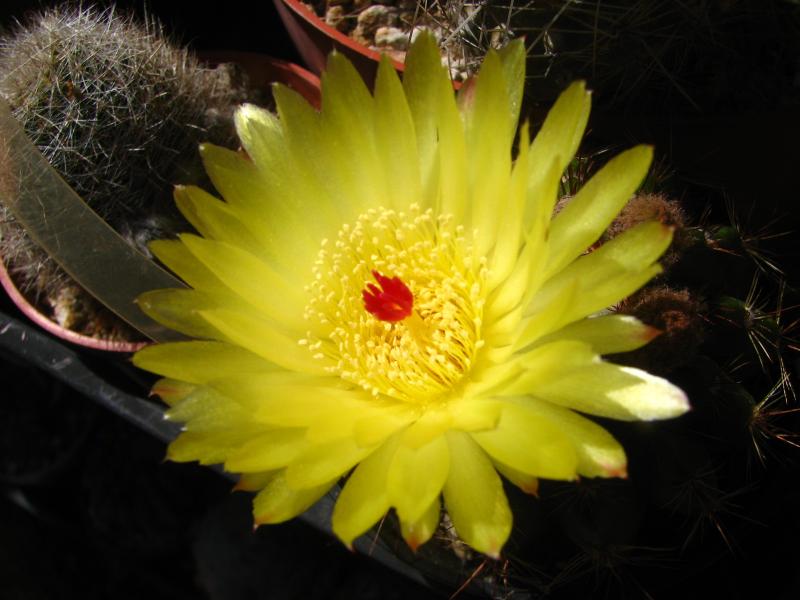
(384, 288)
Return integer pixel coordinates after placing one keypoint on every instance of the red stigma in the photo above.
(390, 300)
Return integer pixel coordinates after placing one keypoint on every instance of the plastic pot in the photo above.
(315, 39)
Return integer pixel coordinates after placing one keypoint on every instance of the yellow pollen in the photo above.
(424, 356)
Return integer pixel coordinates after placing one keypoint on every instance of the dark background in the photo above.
(89, 509)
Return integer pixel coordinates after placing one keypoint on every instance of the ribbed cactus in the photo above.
(118, 110)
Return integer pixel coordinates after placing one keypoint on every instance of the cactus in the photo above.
(640, 55)
(118, 110)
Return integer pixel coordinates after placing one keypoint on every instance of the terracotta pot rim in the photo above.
(35, 315)
(309, 16)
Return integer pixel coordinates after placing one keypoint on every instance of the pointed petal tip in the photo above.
(261, 519)
(667, 230)
(617, 471)
(532, 489)
(676, 403)
(578, 87)
(650, 333)
(240, 486)
(647, 151)
(413, 543)
(246, 109)
(681, 401)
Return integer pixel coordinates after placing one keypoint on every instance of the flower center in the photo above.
(412, 334)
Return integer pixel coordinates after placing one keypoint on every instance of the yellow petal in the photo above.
(324, 462)
(451, 152)
(426, 84)
(474, 496)
(633, 250)
(569, 373)
(253, 280)
(512, 57)
(599, 454)
(199, 362)
(171, 391)
(180, 310)
(353, 414)
(607, 334)
(261, 134)
(253, 482)
(548, 316)
(475, 415)
(526, 266)
(205, 410)
(214, 219)
(208, 448)
(416, 533)
(364, 499)
(333, 425)
(507, 248)
(347, 102)
(322, 167)
(288, 399)
(271, 450)
(372, 429)
(429, 426)
(609, 292)
(547, 362)
(348, 117)
(608, 274)
(260, 337)
(176, 256)
(278, 502)
(584, 219)
(616, 392)
(558, 138)
(235, 177)
(279, 244)
(527, 483)
(416, 477)
(504, 331)
(395, 138)
(276, 204)
(527, 442)
(290, 192)
(488, 137)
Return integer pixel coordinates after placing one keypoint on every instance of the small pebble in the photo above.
(391, 37)
(335, 17)
(370, 19)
